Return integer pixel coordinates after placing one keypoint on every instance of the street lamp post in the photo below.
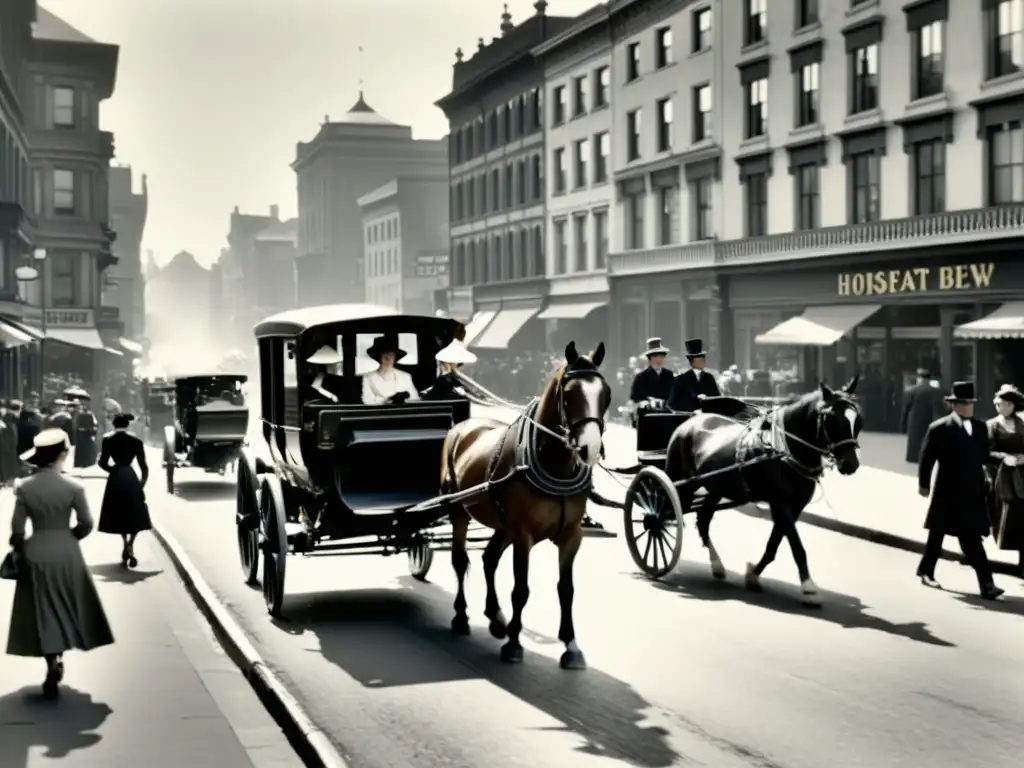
(29, 273)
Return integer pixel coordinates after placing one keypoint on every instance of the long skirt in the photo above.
(124, 509)
(85, 450)
(1009, 525)
(56, 606)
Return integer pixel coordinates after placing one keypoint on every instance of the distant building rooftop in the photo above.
(362, 113)
(280, 232)
(47, 26)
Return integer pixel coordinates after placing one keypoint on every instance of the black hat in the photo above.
(695, 348)
(386, 343)
(963, 392)
(655, 347)
(1011, 394)
(122, 420)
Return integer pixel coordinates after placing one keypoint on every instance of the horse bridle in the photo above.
(832, 445)
(573, 428)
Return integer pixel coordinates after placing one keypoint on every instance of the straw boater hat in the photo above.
(455, 354)
(324, 356)
(1011, 394)
(385, 343)
(47, 446)
(963, 392)
(655, 347)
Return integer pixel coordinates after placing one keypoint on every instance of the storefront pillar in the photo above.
(716, 340)
(947, 320)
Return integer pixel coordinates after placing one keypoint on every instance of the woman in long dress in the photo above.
(124, 511)
(56, 606)
(1006, 443)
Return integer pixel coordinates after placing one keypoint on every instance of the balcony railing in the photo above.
(949, 228)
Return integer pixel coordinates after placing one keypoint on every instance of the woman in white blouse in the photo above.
(387, 384)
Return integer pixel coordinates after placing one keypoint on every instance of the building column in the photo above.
(716, 337)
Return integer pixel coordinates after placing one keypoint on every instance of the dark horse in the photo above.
(784, 454)
(538, 475)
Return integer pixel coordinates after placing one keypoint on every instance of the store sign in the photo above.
(428, 265)
(70, 318)
(958, 277)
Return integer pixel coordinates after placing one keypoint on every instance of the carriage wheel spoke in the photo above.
(661, 547)
(647, 548)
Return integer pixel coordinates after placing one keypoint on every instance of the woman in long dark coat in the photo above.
(86, 429)
(56, 606)
(1006, 443)
(124, 512)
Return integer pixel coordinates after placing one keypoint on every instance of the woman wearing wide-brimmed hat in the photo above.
(56, 606)
(387, 384)
(124, 512)
(1006, 444)
(450, 360)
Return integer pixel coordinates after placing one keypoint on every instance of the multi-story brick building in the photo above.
(240, 277)
(344, 161)
(124, 286)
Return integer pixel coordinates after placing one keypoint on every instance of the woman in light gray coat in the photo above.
(56, 606)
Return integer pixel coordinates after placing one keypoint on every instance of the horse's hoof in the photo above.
(572, 660)
(460, 626)
(511, 654)
(498, 628)
(752, 580)
(132, 562)
(718, 570)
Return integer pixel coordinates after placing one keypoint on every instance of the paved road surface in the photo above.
(689, 672)
(163, 696)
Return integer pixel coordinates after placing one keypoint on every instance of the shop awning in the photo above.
(131, 346)
(26, 330)
(570, 310)
(1007, 322)
(12, 335)
(819, 326)
(477, 324)
(506, 325)
(87, 338)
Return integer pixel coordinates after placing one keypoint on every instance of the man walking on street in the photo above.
(958, 444)
(922, 404)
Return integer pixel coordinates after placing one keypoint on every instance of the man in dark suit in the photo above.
(655, 381)
(922, 404)
(958, 444)
(695, 384)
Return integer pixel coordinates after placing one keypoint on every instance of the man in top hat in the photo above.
(326, 384)
(922, 404)
(655, 381)
(958, 444)
(387, 384)
(450, 359)
(693, 385)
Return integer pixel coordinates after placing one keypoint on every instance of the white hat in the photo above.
(47, 438)
(455, 354)
(324, 356)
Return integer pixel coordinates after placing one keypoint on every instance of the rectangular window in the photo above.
(579, 225)
(632, 62)
(63, 279)
(864, 170)
(635, 210)
(603, 84)
(808, 90)
(701, 30)
(63, 192)
(538, 178)
(757, 108)
(756, 192)
(64, 107)
(633, 135)
(808, 197)
(702, 118)
(559, 164)
(664, 125)
(1006, 44)
(930, 177)
(495, 190)
(755, 17)
(558, 99)
(579, 96)
(561, 248)
(668, 210)
(580, 158)
(702, 209)
(930, 60)
(600, 239)
(806, 13)
(864, 62)
(663, 47)
(1006, 164)
(602, 147)
(521, 183)
(509, 187)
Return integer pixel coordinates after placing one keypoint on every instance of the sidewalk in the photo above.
(163, 696)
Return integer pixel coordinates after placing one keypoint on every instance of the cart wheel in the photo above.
(275, 544)
(654, 522)
(247, 522)
(421, 557)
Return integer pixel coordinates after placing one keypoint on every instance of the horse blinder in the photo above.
(573, 428)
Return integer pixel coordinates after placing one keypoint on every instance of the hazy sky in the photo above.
(212, 95)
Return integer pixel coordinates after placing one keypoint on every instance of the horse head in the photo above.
(582, 397)
(839, 425)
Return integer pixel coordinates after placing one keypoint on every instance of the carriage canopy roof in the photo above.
(200, 376)
(296, 321)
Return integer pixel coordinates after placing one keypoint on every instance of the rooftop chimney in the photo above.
(458, 55)
(541, 6)
(479, 43)
(506, 21)
(275, 212)
(236, 209)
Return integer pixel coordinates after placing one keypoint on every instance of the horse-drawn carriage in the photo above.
(159, 405)
(210, 421)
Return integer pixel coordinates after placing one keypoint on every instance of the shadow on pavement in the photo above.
(115, 572)
(843, 610)
(356, 632)
(1006, 604)
(27, 722)
(205, 490)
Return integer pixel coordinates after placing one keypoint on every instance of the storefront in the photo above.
(576, 310)
(883, 317)
(504, 319)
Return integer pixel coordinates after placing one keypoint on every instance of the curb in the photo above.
(312, 745)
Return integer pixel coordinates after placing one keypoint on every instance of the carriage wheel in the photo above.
(421, 557)
(247, 523)
(275, 544)
(654, 522)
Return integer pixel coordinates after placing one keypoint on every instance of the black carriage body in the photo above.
(349, 470)
(654, 428)
(211, 419)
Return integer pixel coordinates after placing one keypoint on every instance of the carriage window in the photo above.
(290, 387)
(268, 374)
(365, 364)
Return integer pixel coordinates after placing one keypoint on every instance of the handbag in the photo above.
(10, 568)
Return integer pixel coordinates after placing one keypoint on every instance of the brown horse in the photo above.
(538, 475)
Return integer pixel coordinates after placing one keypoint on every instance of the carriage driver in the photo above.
(387, 384)
(655, 381)
(324, 382)
(450, 359)
(695, 384)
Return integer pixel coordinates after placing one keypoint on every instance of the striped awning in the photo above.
(1007, 322)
